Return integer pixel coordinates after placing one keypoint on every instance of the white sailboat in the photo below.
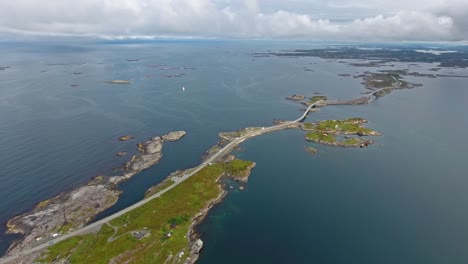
(183, 88)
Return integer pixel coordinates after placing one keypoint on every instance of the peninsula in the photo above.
(71, 210)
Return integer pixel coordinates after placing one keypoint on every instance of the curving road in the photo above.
(395, 85)
(178, 180)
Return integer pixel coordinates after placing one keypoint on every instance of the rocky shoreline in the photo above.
(73, 209)
(354, 143)
(295, 97)
(196, 244)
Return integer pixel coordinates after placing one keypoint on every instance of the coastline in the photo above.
(192, 235)
(73, 209)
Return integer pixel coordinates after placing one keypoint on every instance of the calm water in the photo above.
(403, 200)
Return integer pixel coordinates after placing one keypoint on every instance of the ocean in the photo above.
(402, 200)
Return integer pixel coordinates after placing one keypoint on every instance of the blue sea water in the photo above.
(402, 200)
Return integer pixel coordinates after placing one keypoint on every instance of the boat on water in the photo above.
(183, 88)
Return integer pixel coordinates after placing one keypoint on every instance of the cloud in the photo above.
(438, 20)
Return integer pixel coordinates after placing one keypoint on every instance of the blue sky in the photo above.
(365, 20)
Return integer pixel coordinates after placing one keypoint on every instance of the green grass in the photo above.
(163, 185)
(327, 130)
(65, 228)
(317, 98)
(309, 126)
(355, 119)
(62, 249)
(318, 136)
(351, 141)
(185, 200)
(170, 213)
(237, 166)
(347, 126)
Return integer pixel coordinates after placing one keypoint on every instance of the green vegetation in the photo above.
(381, 80)
(308, 126)
(167, 219)
(61, 249)
(178, 220)
(325, 132)
(352, 141)
(237, 166)
(359, 120)
(64, 228)
(155, 189)
(317, 98)
(347, 126)
(320, 137)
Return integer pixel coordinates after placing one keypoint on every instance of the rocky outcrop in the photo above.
(295, 97)
(243, 175)
(126, 138)
(173, 136)
(121, 153)
(194, 251)
(69, 210)
(311, 150)
(349, 143)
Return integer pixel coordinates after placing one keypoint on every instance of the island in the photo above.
(126, 138)
(311, 150)
(327, 132)
(375, 56)
(314, 99)
(295, 97)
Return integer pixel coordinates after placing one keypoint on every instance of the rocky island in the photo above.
(126, 138)
(296, 97)
(311, 150)
(326, 132)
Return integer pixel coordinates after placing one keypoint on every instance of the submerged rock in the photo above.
(121, 153)
(311, 150)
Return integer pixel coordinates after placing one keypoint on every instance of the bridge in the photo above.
(178, 180)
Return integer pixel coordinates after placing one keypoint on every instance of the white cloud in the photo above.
(313, 19)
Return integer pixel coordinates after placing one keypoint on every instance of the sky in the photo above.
(353, 20)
